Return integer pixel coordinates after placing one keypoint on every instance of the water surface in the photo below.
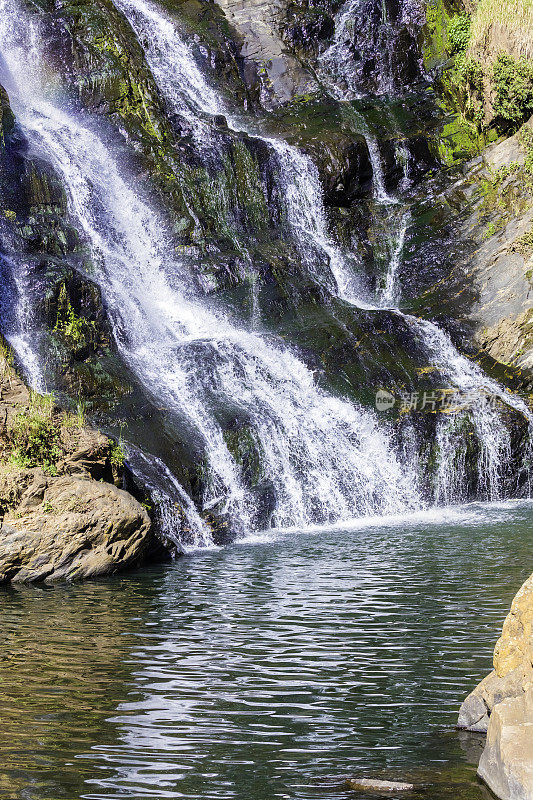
(274, 668)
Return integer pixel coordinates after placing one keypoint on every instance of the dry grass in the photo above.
(513, 18)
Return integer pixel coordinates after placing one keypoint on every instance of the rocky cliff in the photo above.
(502, 705)
(479, 56)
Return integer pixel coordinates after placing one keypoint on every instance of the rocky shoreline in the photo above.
(502, 706)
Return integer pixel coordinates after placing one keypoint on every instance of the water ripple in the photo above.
(272, 669)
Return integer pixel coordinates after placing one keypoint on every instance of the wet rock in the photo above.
(281, 75)
(506, 764)
(382, 787)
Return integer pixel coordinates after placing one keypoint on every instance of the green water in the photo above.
(274, 668)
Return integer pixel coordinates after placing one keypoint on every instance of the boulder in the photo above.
(506, 764)
(513, 664)
(70, 528)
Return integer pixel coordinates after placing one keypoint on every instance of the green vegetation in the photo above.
(78, 330)
(513, 84)
(34, 435)
(459, 140)
(458, 34)
(117, 456)
(6, 358)
(489, 91)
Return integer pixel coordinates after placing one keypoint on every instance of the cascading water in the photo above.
(479, 391)
(17, 315)
(342, 71)
(190, 94)
(180, 524)
(389, 295)
(365, 57)
(324, 458)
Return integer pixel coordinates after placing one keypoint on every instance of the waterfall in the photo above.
(365, 55)
(389, 295)
(187, 90)
(189, 93)
(18, 317)
(340, 71)
(325, 459)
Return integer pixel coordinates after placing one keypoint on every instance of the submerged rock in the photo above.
(375, 785)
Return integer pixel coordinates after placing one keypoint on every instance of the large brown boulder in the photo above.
(69, 528)
(62, 515)
(506, 764)
(513, 664)
(502, 705)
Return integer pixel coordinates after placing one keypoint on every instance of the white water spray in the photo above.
(325, 458)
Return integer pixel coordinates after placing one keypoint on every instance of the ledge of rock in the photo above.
(502, 705)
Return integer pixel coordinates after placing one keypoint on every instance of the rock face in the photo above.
(506, 764)
(513, 664)
(502, 705)
(501, 265)
(61, 515)
(487, 282)
(282, 75)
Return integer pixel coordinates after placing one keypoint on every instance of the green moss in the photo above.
(524, 246)
(458, 34)
(435, 42)
(459, 141)
(250, 194)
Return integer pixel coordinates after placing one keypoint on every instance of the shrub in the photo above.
(458, 34)
(117, 456)
(35, 435)
(526, 140)
(513, 84)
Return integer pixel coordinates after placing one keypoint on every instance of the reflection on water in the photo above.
(271, 669)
